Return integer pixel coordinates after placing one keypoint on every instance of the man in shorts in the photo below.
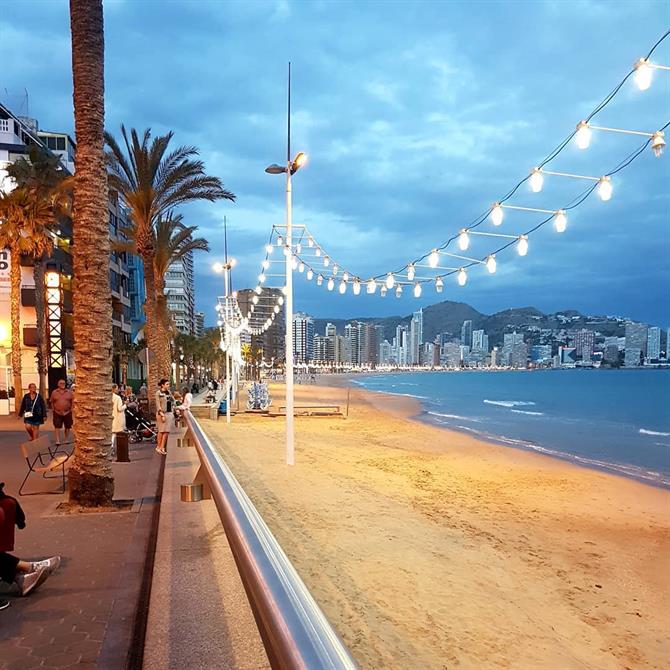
(61, 405)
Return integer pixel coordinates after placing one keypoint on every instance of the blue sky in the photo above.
(416, 116)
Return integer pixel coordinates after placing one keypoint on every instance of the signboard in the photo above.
(5, 284)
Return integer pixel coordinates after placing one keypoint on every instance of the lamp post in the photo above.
(226, 268)
(292, 166)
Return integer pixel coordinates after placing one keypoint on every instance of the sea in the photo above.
(612, 420)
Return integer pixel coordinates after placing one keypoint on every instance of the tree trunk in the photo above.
(15, 309)
(42, 355)
(150, 331)
(91, 481)
(163, 334)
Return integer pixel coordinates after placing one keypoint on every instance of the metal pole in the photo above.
(290, 447)
(227, 313)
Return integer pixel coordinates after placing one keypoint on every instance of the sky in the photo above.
(416, 116)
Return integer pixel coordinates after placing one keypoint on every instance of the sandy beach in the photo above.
(429, 549)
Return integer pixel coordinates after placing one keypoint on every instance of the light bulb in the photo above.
(319, 280)
(287, 251)
(258, 290)
(254, 299)
(284, 290)
(491, 264)
(294, 263)
(382, 291)
(463, 240)
(357, 286)
(298, 248)
(217, 267)
(280, 241)
(462, 277)
(390, 280)
(335, 268)
(268, 248)
(657, 143)
(326, 261)
(318, 251)
(276, 309)
(434, 258)
(253, 306)
(343, 287)
(398, 291)
(583, 135)
(345, 276)
(301, 267)
(310, 241)
(261, 278)
(522, 246)
(310, 274)
(605, 188)
(266, 264)
(410, 271)
(560, 223)
(417, 290)
(372, 286)
(536, 180)
(643, 74)
(439, 285)
(497, 214)
(280, 300)
(331, 284)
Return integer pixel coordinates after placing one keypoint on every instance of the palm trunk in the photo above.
(42, 355)
(91, 481)
(163, 334)
(150, 331)
(15, 302)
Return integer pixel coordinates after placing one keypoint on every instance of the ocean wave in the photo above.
(523, 411)
(455, 416)
(509, 403)
(655, 433)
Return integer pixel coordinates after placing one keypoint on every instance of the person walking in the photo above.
(34, 412)
(61, 405)
(164, 417)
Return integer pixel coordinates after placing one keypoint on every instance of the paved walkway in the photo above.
(83, 616)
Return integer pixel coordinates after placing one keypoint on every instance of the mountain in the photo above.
(448, 316)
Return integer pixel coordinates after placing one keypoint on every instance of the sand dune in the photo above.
(429, 549)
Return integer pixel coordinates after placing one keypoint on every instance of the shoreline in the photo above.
(426, 547)
(421, 415)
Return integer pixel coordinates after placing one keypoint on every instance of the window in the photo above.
(60, 143)
(5, 125)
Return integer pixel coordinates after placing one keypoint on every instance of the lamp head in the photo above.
(275, 169)
(298, 162)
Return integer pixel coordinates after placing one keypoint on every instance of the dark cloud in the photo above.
(416, 117)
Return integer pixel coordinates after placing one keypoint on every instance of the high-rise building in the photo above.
(271, 341)
(415, 338)
(321, 348)
(466, 333)
(303, 337)
(451, 354)
(480, 340)
(199, 324)
(540, 353)
(385, 349)
(514, 351)
(654, 344)
(584, 341)
(180, 292)
(636, 343)
(351, 352)
(331, 330)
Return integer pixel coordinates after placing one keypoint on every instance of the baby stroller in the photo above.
(139, 428)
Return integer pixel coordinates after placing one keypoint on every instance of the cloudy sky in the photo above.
(415, 115)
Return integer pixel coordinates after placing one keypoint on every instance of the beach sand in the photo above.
(429, 549)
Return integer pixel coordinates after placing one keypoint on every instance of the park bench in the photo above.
(44, 459)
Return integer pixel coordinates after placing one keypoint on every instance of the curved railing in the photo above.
(294, 630)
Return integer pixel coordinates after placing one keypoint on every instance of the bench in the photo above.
(44, 459)
(313, 410)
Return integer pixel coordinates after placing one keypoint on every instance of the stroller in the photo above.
(259, 398)
(139, 428)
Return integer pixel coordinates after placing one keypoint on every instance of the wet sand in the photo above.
(429, 549)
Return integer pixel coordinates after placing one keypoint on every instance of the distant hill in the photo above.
(448, 317)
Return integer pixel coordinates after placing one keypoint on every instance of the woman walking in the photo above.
(34, 412)
(164, 419)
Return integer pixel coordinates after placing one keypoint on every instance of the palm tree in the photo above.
(91, 481)
(24, 222)
(43, 177)
(153, 181)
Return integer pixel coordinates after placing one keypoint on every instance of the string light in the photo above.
(536, 180)
(491, 264)
(310, 241)
(298, 248)
(335, 269)
(643, 74)
(254, 299)
(319, 280)
(398, 291)
(343, 287)
(301, 267)
(261, 278)
(287, 251)
(372, 286)
(410, 271)
(560, 223)
(462, 277)
(434, 258)
(294, 263)
(463, 240)
(583, 135)
(318, 251)
(417, 290)
(605, 188)
(269, 248)
(280, 300)
(382, 291)
(497, 214)
(522, 246)
(390, 280)
(280, 241)
(265, 264)
(345, 276)
(310, 274)
(658, 143)
(331, 283)
(439, 285)
(326, 261)
(258, 290)
(357, 287)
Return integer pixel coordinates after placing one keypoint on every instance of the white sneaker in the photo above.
(31, 580)
(49, 564)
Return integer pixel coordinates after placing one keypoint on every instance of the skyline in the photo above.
(431, 124)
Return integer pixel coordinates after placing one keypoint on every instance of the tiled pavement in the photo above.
(66, 622)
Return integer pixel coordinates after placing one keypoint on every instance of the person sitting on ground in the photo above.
(33, 409)
(18, 577)
(61, 405)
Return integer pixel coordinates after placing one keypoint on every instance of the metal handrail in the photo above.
(294, 630)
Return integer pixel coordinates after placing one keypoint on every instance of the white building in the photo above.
(636, 343)
(303, 337)
(653, 343)
(180, 292)
(415, 338)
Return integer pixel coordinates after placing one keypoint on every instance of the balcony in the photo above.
(30, 335)
(28, 296)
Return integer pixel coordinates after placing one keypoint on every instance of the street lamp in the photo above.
(226, 268)
(291, 167)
